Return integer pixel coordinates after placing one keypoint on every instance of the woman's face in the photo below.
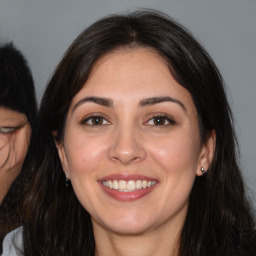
(131, 146)
(15, 135)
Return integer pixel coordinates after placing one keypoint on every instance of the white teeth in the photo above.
(138, 184)
(115, 184)
(121, 184)
(131, 185)
(128, 186)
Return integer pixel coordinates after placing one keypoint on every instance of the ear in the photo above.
(207, 153)
(62, 154)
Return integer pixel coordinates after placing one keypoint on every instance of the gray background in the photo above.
(43, 29)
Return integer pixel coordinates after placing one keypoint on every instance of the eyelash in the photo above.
(99, 120)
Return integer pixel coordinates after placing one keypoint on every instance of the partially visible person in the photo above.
(15, 134)
(18, 109)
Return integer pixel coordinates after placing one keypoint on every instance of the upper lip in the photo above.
(126, 177)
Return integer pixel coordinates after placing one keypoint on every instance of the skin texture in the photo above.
(15, 135)
(128, 142)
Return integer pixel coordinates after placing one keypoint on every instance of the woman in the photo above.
(17, 116)
(136, 149)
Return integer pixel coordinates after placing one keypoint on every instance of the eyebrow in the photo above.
(106, 102)
(98, 100)
(157, 100)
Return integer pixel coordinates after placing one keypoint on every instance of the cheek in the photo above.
(4, 149)
(83, 155)
(177, 159)
(176, 153)
(13, 152)
(21, 145)
(21, 153)
(84, 159)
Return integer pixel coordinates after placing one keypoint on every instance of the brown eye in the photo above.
(161, 121)
(95, 121)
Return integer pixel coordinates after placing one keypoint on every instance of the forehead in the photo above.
(131, 64)
(132, 73)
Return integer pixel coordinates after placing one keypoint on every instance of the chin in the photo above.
(128, 225)
(128, 230)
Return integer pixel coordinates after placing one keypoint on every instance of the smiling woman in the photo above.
(143, 148)
(17, 117)
(136, 152)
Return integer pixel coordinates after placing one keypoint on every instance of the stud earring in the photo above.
(202, 170)
(67, 181)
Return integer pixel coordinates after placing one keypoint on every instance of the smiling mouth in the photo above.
(128, 186)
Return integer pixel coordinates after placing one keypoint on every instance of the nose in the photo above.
(127, 146)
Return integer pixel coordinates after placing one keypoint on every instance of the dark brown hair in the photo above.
(218, 222)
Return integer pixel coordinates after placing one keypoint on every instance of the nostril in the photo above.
(126, 147)
(127, 157)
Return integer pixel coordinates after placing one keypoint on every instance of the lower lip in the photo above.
(127, 196)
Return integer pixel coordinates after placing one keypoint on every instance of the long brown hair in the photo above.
(219, 220)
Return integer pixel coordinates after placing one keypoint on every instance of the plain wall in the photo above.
(43, 29)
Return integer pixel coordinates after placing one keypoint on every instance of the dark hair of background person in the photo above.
(17, 93)
(219, 220)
